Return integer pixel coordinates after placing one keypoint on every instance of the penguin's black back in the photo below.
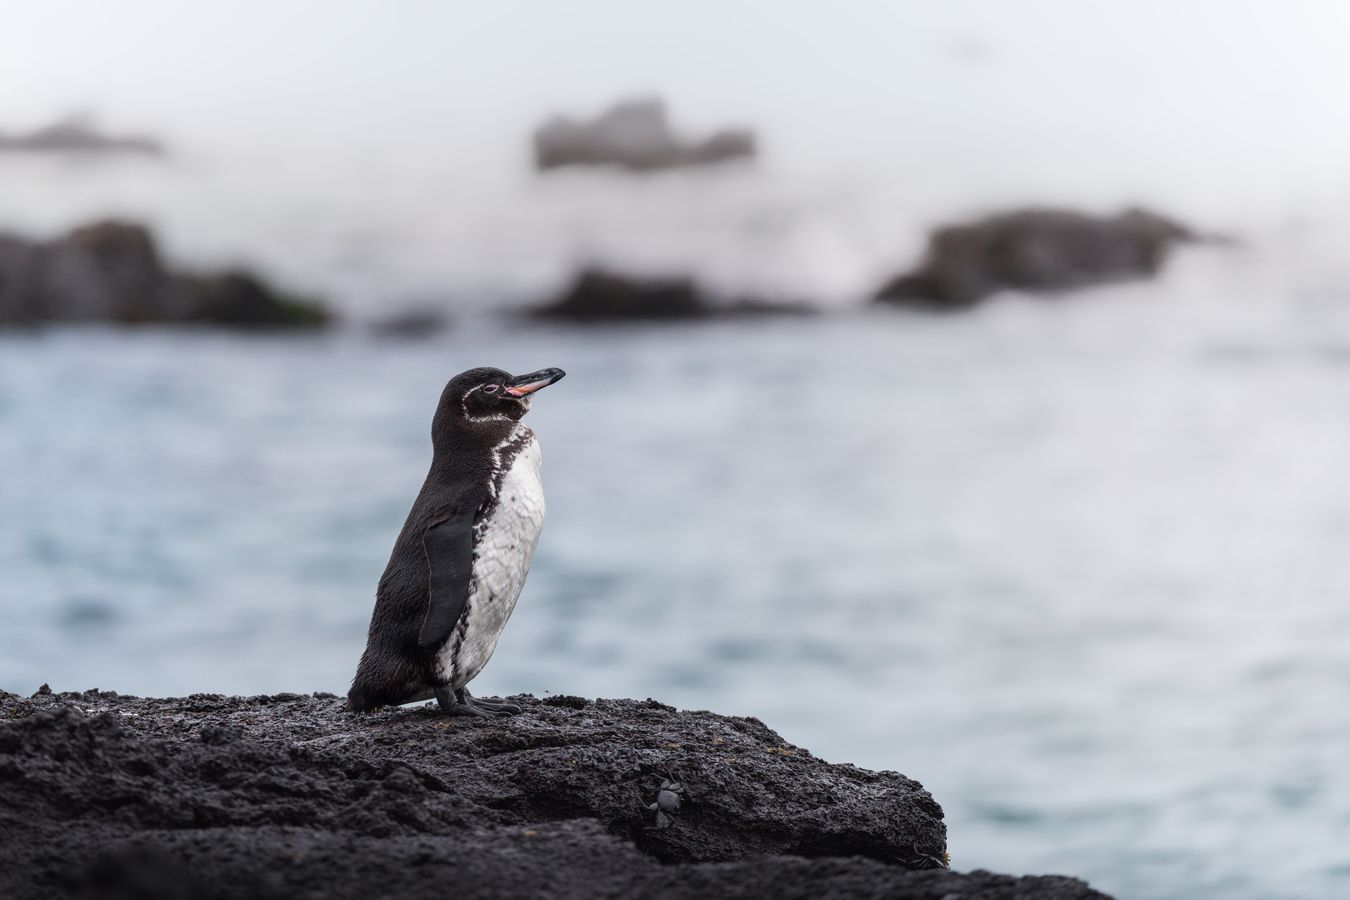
(393, 669)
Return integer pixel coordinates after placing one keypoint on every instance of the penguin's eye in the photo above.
(492, 388)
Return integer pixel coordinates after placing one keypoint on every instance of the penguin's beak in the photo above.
(524, 385)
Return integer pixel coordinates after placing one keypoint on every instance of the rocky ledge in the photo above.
(294, 796)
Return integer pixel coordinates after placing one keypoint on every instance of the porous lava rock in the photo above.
(294, 796)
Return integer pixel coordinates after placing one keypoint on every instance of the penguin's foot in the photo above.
(452, 705)
(498, 708)
(461, 703)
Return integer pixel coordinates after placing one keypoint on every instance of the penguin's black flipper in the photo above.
(449, 548)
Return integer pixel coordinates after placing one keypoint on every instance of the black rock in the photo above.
(111, 272)
(598, 295)
(108, 271)
(286, 796)
(635, 135)
(240, 299)
(1036, 250)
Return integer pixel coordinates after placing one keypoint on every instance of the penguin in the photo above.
(460, 561)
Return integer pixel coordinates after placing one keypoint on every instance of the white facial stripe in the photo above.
(464, 405)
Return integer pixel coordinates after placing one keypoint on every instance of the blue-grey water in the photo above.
(1078, 567)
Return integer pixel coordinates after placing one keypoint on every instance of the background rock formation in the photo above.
(636, 135)
(1038, 250)
(598, 295)
(78, 134)
(111, 272)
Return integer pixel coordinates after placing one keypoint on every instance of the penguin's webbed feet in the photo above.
(462, 703)
(498, 708)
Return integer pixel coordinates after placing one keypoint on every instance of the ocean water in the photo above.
(1078, 565)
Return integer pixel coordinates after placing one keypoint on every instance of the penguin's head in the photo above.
(485, 396)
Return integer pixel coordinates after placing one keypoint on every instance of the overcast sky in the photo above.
(1263, 81)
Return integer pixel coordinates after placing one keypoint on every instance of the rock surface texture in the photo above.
(294, 796)
(1037, 250)
(634, 135)
(111, 272)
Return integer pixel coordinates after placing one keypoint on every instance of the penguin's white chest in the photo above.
(504, 542)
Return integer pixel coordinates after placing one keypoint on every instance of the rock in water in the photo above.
(111, 272)
(635, 135)
(20, 300)
(239, 299)
(78, 134)
(108, 271)
(598, 295)
(1037, 250)
(284, 796)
